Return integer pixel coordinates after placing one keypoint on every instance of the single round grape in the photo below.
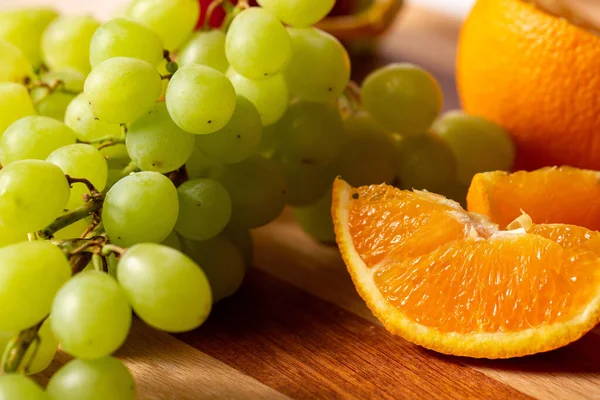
(84, 123)
(257, 189)
(200, 99)
(298, 12)
(270, 96)
(19, 387)
(141, 207)
(402, 97)
(54, 104)
(10, 236)
(479, 145)
(206, 48)
(91, 315)
(311, 133)
(320, 66)
(367, 155)
(43, 354)
(316, 219)
(32, 194)
(204, 209)
(165, 288)
(30, 275)
(222, 263)
(66, 42)
(172, 20)
(172, 241)
(242, 240)
(156, 143)
(257, 44)
(81, 161)
(305, 183)
(237, 140)
(14, 66)
(198, 165)
(101, 379)
(24, 28)
(121, 89)
(15, 104)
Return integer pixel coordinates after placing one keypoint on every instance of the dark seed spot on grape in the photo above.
(209, 121)
(330, 89)
(355, 196)
(78, 118)
(96, 119)
(198, 204)
(266, 74)
(239, 136)
(119, 237)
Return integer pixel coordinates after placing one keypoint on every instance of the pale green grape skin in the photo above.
(30, 275)
(257, 189)
(298, 12)
(66, 42)
(86, 126)
(91, 315)
(141, 207)
(198, 165)
(200, 99)
(166, 289)
(479, 145)
(243, 241)
(19, 387)
(320, 66)
(15, 104)
(206, 48)
(316, 220)
(33, 138)
(81, 161)
(10, 236)
(237, 140)
(204, 209)
(156, 143)
(122, 37)
(425, 162)
(14, 66)
(221, 261)
(310, 133)
(32, 194)
(270, 96)
(44, 354)
(55, 104)
(305, 183)
(402, 97)
(101, 379)
(24, 28)
(257, 44)
(172, 241)
(122, 89)
(270, 140)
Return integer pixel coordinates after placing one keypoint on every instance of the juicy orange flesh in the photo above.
(428, 264)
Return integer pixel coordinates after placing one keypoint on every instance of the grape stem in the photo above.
(107, 141)
(109, 248)
(90, 186)
(17, 348)
(93, 205)
(97, 262)
(166, 77)
(55, 86)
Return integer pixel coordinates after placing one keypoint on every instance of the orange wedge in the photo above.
(453, 282)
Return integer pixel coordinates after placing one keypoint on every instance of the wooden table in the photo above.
(297, 329)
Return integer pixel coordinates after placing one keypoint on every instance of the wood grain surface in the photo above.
(297, 329)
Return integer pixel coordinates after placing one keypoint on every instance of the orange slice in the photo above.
(549, 195)
(453, 282)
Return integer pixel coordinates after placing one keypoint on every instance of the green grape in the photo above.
(54, 103)
(141, 207)
(270, 96)
(198, 165)
(367, 155)
(172, 20)
(204, 209)
(66, 42)
(121, 37)
(166, 289)
(257, 44)
(237, 140)
(19, 387)
(91, 315)
(200, 99)
(298, 12)
(172, 241)
(311, 133)
(30, 275)
(87, 127)
(33, 138)
(156, 143)
(24, 28)
(15, 104)
(101, 379)
(121, 89)
(425, 162)
(320, 66)
(316, 220)
(221, 261)
(206, 48)
(10, 236)
(43, 353)
(402, 97)
(242, 240)
(269, 142)
(257, 189)
(32, 194)
(305, 183)
(14, 66)
(74, 230)
(479, 145)
(81, 161)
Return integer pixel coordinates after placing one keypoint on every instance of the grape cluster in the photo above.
(137, 155)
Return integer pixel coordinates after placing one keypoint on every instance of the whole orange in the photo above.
(536, 74)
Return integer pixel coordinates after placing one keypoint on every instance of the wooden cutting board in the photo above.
(297, 329)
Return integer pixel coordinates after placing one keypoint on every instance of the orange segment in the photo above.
(452, 282)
